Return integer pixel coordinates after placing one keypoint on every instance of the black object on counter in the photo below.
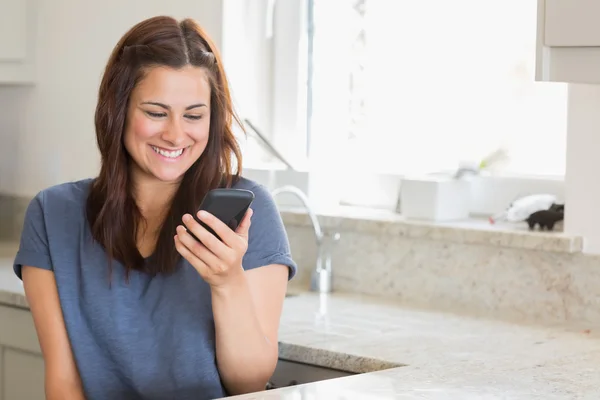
(546, 218)
(271, 385)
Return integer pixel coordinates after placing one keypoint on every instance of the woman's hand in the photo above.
(218, 262)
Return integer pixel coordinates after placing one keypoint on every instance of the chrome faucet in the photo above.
(322, 276)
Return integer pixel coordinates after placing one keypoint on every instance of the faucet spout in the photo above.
(322, 275)
(304, 199)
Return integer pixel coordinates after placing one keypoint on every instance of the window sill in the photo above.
(473, 231)
(490, 194)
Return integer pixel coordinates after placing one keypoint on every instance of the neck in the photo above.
(153, 197)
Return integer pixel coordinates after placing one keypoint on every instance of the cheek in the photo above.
(138, 131)
(200, 132)
(144, 128)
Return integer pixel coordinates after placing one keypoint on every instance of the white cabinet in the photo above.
(572, 23)
(568, 41)
(17, 47)
(23, 375)
(21, 362)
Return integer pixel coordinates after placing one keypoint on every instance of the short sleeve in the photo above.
(267, 239)
(33, 248)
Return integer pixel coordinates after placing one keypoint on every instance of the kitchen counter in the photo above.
(11, 288)
(445, 356)
(416, 354)
(474, 231)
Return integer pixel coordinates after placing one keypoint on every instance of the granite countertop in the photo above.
(415, 353)
(11, 287)
(471, 231)
(444, 356)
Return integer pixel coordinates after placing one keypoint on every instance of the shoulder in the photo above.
(69, 192)
(268, 242)
(64, 196)
(249, 184)
(62, 202)
(48, 213)
(262, 196)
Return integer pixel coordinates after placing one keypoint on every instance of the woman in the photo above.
(126, 304)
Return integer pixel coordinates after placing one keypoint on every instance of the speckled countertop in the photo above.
(446, 356)
(417, 354)
(11, 288)
(471, 231)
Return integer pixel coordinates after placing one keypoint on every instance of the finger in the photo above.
(200, 251)
(244, 226)
(194, 261)
(225, 233)
(209, 240)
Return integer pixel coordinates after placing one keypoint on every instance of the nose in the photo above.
(174, 134)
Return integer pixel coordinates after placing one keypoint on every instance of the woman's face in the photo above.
(168, 122)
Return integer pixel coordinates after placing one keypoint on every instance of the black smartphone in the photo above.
(228, 205)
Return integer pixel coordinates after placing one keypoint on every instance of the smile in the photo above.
(168, 153)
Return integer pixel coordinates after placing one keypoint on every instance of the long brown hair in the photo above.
(112, 212)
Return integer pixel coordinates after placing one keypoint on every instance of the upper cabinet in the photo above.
(568, 41)
(17, 50)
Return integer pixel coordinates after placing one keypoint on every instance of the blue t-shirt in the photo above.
(151, 338)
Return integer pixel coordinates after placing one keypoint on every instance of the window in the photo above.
(403, 87)
(414, 87)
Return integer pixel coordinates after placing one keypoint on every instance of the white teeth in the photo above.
(168, 154)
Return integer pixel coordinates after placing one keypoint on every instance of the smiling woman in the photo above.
(126, 303)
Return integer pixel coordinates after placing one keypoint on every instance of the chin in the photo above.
(168, 176)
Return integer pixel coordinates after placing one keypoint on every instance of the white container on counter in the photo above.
(435, 198)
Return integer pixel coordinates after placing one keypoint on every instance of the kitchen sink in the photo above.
(288, 373)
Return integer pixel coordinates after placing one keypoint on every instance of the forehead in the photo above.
(174, 86)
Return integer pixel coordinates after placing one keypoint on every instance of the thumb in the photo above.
(244, 226)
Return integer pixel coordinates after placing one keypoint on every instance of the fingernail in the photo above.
(202, 214)
(187, 218)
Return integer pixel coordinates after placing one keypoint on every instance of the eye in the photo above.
(194, 117)
(155, 114)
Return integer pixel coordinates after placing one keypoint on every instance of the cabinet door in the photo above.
(23, 375)
(17, 330)
(17, 46)
(572, 23)
(21, 362)
(13, 30)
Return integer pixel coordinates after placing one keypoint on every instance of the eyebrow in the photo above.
(166, 107)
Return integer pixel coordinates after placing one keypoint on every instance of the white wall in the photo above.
(47, 130)
(582, 178)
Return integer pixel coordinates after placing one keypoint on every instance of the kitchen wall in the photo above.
(458, 271)
(582, 191)
(13, 103)
(51, 132)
